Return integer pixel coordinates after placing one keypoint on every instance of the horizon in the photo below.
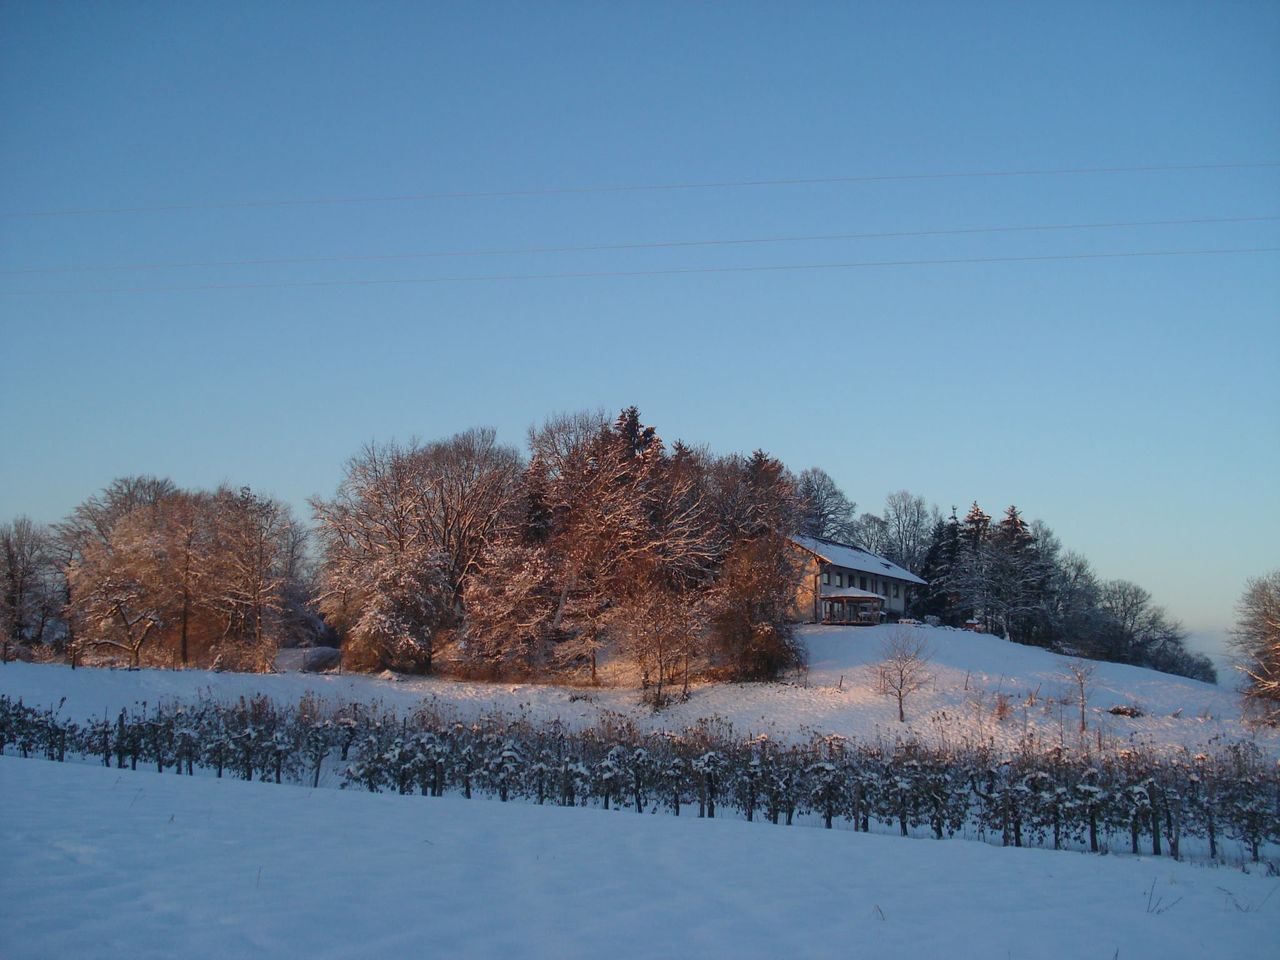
(1009, 255)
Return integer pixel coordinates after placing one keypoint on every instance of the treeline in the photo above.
(1037, 795)
(603, 535)
(150, 573)
(675, 558)
(531, 563)
(1015, 579)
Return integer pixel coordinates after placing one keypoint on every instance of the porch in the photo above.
(849, 607)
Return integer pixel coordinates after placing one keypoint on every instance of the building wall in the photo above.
(842, 576)
(806, 591)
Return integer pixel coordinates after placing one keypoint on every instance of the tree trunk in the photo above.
(186, 614)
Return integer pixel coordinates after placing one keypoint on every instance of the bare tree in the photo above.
(908, 522)
(384, 583)
(29, 600)
(1078, 673)
(904, 669)
(189, 536)
(118, 587)
(871, 533)
(825, 511)
(247, 576)
(464, 486)
(92, 522)
(662, 628)
(1257, 638)
(174, 576)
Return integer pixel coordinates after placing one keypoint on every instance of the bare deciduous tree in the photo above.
(29, 591)
(1257, 638)
(904, 669)
(384, 585)
(172, 576)
(119, 588)
(825, 510)
(662, 628)
(1078, 673)
(908, 523)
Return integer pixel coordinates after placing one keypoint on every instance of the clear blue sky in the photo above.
(1132, 403)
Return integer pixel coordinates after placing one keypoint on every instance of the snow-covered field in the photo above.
(97, 862)
(108, 863)
(971, 674)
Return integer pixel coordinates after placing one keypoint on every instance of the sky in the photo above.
(240, 240)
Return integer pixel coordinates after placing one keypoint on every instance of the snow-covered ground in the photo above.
(109, 863)
(971, 675)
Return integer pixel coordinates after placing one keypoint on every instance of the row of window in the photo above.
(877, 586)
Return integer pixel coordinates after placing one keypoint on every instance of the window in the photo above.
(826, 578)
(862, 583)
(839, 579)
(895, 591)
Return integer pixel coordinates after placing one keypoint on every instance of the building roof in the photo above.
(855, 558)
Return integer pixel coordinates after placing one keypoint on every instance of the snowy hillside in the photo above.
(106, 863)
(982, 689)
(150, 864)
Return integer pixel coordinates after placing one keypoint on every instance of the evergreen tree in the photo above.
(977, 526)
(941, 569)
(970, 580)
(1016, 576)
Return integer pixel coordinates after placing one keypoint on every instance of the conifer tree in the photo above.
(939, 569)
(1016, 576)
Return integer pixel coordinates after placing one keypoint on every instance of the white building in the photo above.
(842, 583)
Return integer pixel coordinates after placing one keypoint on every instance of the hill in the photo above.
(981, 689)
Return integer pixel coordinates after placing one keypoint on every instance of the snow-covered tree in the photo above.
(1016, 575)
(1256, 638)
(179, 577)
(119, 588)
(510, 600)
(939, 570)
(386, 585)
(30, 588)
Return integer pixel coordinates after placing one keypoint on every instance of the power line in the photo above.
(652, 245)
(628, 188)
(680, 271)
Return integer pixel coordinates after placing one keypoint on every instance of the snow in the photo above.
(970, 673)
(107, 863)
(110, 863)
